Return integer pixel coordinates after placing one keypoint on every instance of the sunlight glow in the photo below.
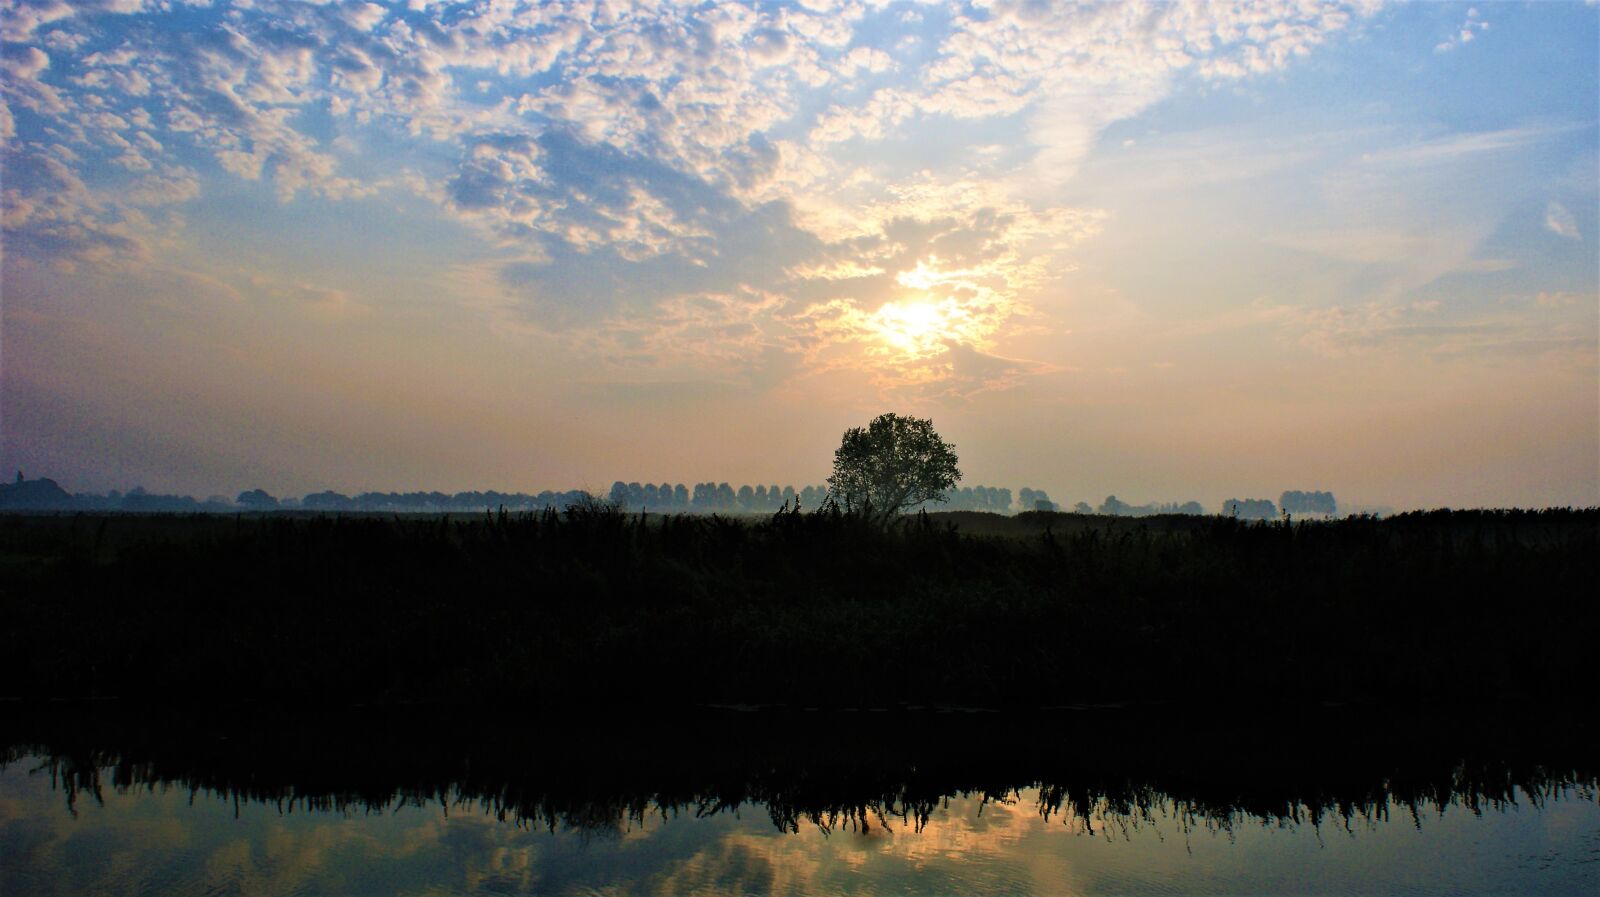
(928, 275)
(917, 328)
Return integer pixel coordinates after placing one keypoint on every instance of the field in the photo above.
(596, 607)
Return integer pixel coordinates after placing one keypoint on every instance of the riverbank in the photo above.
(599, 607)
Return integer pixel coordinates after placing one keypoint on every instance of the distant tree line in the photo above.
(135, 500)
(722, 498)
(46, 495)
(977, 498)
(1036, 500)
(1115, 507)
(1297, 502)
(423, 501)
(711, 498)
(665, 498)
(1250, 508)
(1291, 502)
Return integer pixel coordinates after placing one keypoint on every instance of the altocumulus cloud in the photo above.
(755, 170)
(1558, 220)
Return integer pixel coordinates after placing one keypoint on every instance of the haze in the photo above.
(1164, 252)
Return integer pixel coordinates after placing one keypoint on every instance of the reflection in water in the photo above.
(890, 803)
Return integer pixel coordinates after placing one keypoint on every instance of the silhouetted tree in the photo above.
(1297, 502)
(1114, 506)
(892, 464)
(1035, 500)
(254, 500)
(1250, 508)
(327, 501)
(40, 494)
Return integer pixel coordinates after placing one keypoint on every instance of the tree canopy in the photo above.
(890, 465)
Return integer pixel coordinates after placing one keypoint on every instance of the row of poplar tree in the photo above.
(723, 498)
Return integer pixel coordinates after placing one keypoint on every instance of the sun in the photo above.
(917, 327)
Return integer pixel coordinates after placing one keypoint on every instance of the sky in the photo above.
(1167, 252)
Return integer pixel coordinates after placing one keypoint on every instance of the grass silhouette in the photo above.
(594, 606)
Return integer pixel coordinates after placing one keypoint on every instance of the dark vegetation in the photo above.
(1335, 769)
(596, 607)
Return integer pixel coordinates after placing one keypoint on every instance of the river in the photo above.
(803, 805)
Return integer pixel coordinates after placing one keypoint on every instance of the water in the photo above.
(202, 814)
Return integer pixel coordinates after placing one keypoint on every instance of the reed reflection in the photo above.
(1090, 770)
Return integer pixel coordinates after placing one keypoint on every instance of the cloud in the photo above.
(20, 20)
(1454, 147)
(1400, 213)
(1464, 34)
(973, 371)
(50, 214)
(1207, 156)
(1555, 299)
(1559, 221)
(627, 157)
(1368, 246)
(1436, 329)
(325, 303)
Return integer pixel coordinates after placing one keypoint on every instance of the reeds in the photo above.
(596, 605)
